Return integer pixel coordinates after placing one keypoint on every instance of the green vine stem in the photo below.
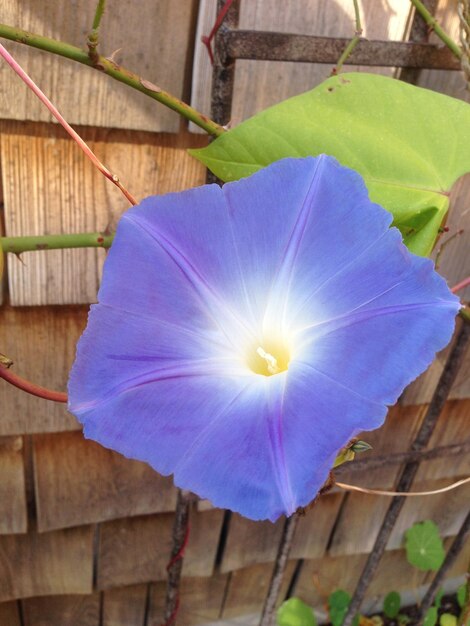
(433, 24)
(92, 41)
(117, 72)
(353, 43)
(17, 245)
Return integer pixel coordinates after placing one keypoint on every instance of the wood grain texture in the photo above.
(74, 610)
(259, 540)
(453, 427)
(319, 577)
(79, 482)
(201, 600)
(259, 84)
(151, 40)
(247, 589)
(13, 508)
(203, 542)
(136, 550)
(314, 528)
(10, 614)
(59, 562)
(41, 342)
(51, 188)
(125, 606)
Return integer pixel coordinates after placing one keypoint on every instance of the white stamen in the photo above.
(270, 360)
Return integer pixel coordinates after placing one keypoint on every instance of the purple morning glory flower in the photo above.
(244, 334)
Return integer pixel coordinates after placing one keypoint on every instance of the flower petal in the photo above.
(295, 259)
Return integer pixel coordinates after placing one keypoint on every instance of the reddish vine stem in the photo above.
(207, 39)
(175, 564)
(31, 388)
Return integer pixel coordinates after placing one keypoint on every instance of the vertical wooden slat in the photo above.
(58, 562)
(76, 610)
(50, 187)
(151, 40)
(96, 483)
(125, 606)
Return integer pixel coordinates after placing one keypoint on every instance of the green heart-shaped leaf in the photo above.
(424, 547)
(409, 144)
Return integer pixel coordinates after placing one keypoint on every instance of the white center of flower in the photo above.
(268, 357)
(271, 362)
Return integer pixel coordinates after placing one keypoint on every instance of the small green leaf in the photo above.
(461, 595)
(424, 547)
(430, 618)
(392, 602)
(294, 612)
(447, 619)
(403, 619)
(361, 446)
(438, 598)
(338, 603)
(409, 144)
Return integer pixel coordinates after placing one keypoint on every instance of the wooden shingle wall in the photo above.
(84, 533)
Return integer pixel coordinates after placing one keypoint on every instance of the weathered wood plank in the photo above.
(152, 42)
(247, 589)
(50, 187)
(75, 610)
(95, 483)
(10, 614)
(203, 542)
(314, 528)
(453, 427)
(319, 577)
(13, 509)
(125, 606)
(41, 343)
(59, 562)
(259, 84)
(136, 550)
(259, 541)
(200, 600)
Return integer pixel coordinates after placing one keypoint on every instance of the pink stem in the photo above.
(34, 390)
(464, 283)
(75, 136)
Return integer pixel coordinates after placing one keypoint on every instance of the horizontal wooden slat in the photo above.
(51, 188)
(152, 42)
(41, 342)
(94, 483)
(13, 511)
(259, 541)
(76, 610)
(247, 589)
(59, 562)
(125, 606)
(201, 600)
(136, 550)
